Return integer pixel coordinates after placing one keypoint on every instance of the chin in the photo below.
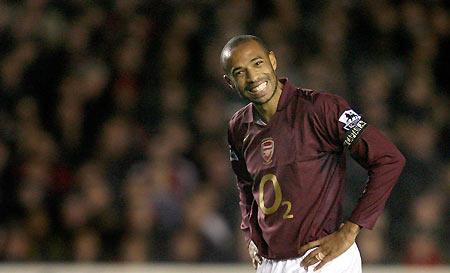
(262, 100)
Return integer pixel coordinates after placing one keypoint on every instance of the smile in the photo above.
(259, 87)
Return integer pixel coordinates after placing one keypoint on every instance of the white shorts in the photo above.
(347, 262)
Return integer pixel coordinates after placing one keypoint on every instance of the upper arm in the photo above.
(347, 129)
(238, 164)
(342, 125)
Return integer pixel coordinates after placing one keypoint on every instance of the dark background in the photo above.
(113, 120)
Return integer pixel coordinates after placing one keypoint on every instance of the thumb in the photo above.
(258, 259)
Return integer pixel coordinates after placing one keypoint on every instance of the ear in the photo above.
(273, 60)
(229, 82)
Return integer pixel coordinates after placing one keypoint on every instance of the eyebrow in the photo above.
(256, 58)
(239, 67)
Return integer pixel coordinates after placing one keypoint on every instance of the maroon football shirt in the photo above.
(291, 171)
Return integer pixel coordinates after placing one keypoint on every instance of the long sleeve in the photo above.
(384, 163)
(244, 184)
(371, 149)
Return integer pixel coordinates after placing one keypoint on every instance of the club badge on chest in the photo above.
(267, 150)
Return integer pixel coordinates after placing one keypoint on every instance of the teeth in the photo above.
(260, 87)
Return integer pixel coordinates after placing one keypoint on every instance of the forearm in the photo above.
(245, 224)
(245, 204)
(384, 163)
(244, 185)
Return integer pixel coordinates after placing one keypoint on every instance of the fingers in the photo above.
(323, 262)
(309, 245)
(312, 258)
(253, 251)
(256, 260)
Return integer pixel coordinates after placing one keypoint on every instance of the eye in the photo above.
(238, 73)
(258, 63)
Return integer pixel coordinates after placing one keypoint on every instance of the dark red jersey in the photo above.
(291, 171)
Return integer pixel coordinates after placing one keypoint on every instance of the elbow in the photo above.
(403, 160)
(400, 160)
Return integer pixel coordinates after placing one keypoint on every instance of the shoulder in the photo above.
(236, 125)
(240, 117)
(320, 101)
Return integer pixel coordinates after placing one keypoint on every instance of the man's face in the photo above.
(251, 71)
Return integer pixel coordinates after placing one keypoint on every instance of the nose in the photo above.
(251, 75)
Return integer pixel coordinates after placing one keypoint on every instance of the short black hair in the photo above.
(234, 42)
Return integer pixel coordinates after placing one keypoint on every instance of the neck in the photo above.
(268, 109)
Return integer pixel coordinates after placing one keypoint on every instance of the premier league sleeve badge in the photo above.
(350, 118)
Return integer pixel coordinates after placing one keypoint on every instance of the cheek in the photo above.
(240, 83)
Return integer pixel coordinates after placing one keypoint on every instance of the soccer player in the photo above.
(287, 149)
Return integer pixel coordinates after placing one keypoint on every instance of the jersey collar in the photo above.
(288, 91)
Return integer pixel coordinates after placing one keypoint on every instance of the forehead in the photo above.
(244, 53)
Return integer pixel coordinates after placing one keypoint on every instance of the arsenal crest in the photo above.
(267, 147)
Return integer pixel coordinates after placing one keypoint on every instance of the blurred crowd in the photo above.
(113, 119)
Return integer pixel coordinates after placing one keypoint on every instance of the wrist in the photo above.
(351, 230)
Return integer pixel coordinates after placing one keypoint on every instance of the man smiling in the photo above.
(287, 149)
(253, 73)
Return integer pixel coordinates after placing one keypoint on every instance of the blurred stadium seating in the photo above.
(113, 122)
